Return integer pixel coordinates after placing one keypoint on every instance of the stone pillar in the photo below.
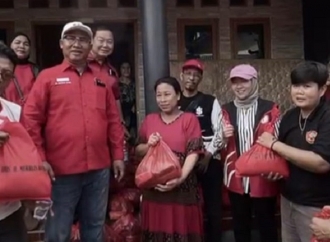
(154, 47)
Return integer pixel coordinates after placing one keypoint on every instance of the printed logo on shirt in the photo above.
(311, 136)
(62, 81)
(265, 119)
(199, 112)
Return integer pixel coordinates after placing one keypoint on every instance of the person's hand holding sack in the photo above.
(320, 225)
(154, 139)
(3, 138)
(160, 168)
(267, 140)
(261, 159)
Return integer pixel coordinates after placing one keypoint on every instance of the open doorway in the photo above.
(6, 32)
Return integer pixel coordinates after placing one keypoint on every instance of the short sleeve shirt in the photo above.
(312, 134)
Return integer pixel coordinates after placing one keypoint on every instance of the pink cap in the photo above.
(194, 63)
(244, 71)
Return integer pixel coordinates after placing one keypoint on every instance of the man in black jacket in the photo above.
(207, 109)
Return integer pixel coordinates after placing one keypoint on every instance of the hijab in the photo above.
(248, 73)
(251, 98)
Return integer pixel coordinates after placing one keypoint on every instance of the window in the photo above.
(198, 39)
(250, 38)
(210, 3)
(234, 3)
(261, 2)
(68, 3)
(38, 4)
(98, 3)
(184, 3)
(7, 4)
(127, 3)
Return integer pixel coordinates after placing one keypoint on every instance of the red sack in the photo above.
(324, 214)
(75, 233)
(22, 175)
(111, 236)
(261, 160)
(126, 226)
(119, 206)
(159, 166)
(133, 238)
(133, 195)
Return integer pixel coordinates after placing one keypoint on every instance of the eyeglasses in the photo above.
(72, 39)
(6, 75)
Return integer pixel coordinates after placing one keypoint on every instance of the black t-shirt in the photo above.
(304, 187)
(185, 102)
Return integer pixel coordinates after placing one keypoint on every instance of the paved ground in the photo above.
(228, 236)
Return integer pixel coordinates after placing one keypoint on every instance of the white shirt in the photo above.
(13, 112)
(216, 140)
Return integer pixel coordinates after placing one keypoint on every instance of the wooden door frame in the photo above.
(9, 26)
(182, 22)
(265, 22)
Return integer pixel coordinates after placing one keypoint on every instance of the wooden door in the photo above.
(48, 51)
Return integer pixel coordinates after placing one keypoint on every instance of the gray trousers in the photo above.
(296, 220)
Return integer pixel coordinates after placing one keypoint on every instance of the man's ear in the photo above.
(181, 76)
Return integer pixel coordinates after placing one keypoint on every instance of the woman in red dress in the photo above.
(25, 71)
(172, 212)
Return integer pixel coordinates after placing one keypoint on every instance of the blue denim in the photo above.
(86, 194)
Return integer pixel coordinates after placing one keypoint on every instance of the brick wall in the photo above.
(285, 21)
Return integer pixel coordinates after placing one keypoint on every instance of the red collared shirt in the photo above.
(25, 79)
(73, 120)
(107, 72)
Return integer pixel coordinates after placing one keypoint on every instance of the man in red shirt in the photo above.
(72, 117)
(103, 45)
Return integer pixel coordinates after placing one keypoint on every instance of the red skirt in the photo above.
(171, 222)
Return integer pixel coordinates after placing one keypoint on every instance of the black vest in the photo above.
(201, 105)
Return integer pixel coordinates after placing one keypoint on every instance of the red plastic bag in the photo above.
(133, 238)
(111, 236)
(119, 206)
(159, 166)
(22, 175)
(261, 160)
(75, 233)
(127, 226)
(324, 214)
(133, 195)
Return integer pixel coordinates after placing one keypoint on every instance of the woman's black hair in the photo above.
(25, 60)
(125, 62)
(8, 53)
(100, 28)
(21, 34)
(310, 71)
(172, 81)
